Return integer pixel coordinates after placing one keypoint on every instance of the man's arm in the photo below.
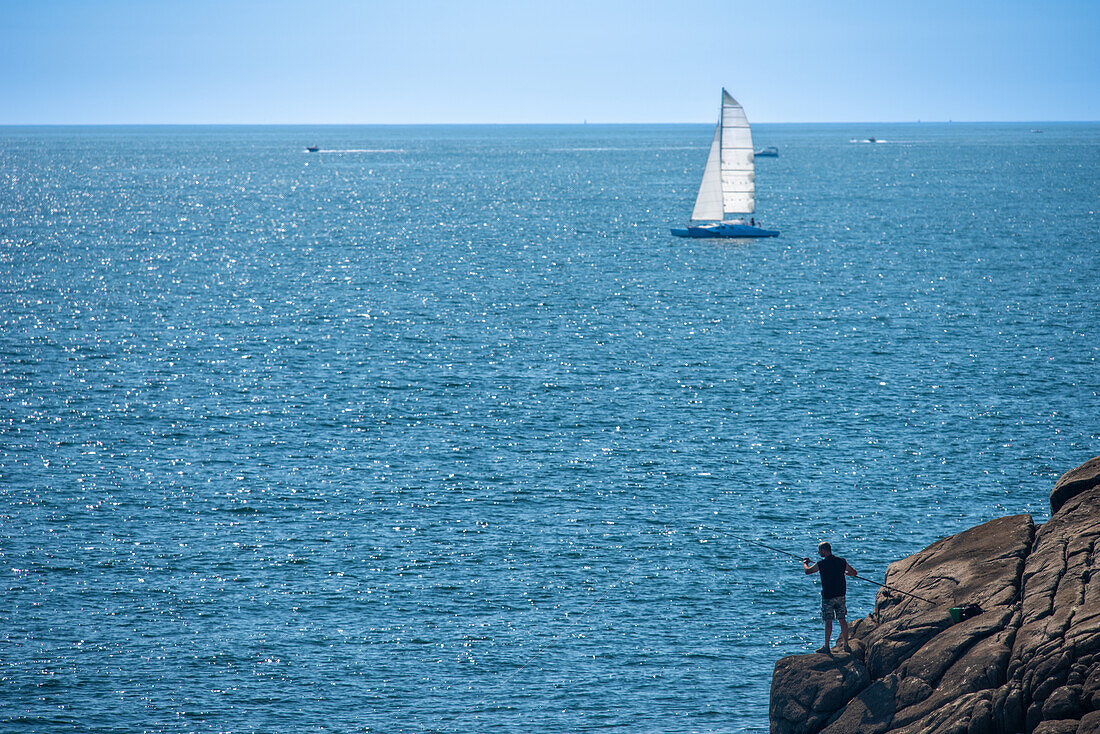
(849, 570)
(807, 567)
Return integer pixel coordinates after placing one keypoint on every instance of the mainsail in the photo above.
(728, 185)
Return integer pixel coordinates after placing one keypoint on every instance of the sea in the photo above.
(439, 429)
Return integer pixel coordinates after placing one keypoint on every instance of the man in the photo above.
(833, 569)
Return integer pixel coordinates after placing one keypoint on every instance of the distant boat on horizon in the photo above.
(729, 181)
(313, 148)
(770, 152)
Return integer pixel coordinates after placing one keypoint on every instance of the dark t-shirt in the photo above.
(832, 576)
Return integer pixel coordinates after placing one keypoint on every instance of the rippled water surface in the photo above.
(440, 430)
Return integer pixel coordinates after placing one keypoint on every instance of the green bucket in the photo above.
(956, 614)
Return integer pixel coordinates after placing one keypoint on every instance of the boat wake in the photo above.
(362, 150)
(624, 148)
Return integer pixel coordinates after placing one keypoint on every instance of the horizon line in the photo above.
(532, 124)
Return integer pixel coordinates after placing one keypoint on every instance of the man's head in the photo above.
(824, 550)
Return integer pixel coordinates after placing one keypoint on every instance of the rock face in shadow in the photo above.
(1030, 662)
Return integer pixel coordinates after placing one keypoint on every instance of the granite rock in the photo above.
(1030, 662)
(1074, 482)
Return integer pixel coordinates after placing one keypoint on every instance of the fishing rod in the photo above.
(805, 559)
(891, 588)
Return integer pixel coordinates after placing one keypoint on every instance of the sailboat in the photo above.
(729, 185)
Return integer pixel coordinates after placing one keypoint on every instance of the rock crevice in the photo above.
(1029, 663)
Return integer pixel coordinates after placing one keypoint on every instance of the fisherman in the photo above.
(833, 569)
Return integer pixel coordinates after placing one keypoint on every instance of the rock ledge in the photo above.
(1029, 663)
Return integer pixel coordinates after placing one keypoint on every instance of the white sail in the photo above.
(729, 183)
(708, 204)
(738, 167)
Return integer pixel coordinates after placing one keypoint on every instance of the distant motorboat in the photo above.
(866, 140)
(729, 181)
(1036, 130)
(770, 152)
(313, 148)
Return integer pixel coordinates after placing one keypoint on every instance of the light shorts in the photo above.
(833, 609)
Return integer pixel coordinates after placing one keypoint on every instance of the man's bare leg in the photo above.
(844, 633)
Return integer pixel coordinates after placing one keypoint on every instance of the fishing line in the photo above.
(857, 576)
(552, 641)
(580, 618)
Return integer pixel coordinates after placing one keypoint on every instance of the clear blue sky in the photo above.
(429, 61)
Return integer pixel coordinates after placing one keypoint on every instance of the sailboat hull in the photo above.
(725, 230)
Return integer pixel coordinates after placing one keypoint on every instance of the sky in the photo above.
(555, 61)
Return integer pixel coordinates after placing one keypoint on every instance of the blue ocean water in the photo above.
(439, 429)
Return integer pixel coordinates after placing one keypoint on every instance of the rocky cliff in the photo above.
(1030, 662)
